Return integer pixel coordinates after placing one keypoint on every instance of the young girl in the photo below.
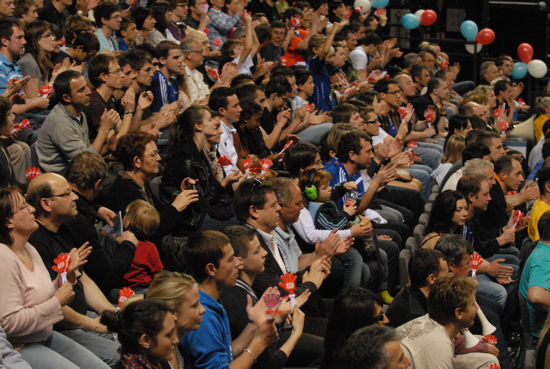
(143, 220)
(147, 334)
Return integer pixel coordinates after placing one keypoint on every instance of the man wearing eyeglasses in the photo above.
(108, 20)
(55, 203)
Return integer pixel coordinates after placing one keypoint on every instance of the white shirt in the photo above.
(226, 148)
(379, 138)
(271, 241)
(197, 89)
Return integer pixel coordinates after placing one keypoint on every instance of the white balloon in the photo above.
(473, 49)
(418, 13)
(537, 68)
(364, 5)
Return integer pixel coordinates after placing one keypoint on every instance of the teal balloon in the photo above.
(380, 3)
(520, 70)
(410, 21)
(469, 30)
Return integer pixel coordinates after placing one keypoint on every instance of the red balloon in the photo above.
(525, 52)
(428, 17)
(486, 36)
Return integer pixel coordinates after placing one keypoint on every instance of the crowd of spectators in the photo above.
(203, 153)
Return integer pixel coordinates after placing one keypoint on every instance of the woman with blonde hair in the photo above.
(180, 292)
(453, 153)
(542, 109)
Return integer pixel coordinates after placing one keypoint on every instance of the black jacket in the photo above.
(189, 162)
(108, 261)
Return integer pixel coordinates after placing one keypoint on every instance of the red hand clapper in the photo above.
(123, 295)
(61, 265)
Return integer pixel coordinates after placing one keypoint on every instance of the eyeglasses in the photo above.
(66, 195)
(197, 51)
(396, 92)
(153, 155)
(26, 205)
(370, 121)
(156, 64)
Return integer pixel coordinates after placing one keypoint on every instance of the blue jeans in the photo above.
(492, 289)
(356, 272)
(314, 134)
(424, 175)
(430, 154)
(60, 352)
(100, 344)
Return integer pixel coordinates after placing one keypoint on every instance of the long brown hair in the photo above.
(33, 33)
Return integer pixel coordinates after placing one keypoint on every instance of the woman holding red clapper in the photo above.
(31, 303)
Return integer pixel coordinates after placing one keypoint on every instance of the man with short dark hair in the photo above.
(165, 86)
(278, 45)
(105, 75)
(108, 19)
(213, 264)
(425, 267)
(365, 53)
(12, 47)
(428, 341)
(64, 133)
(506, 196)
(225, 103)
(535, 283)
(505, 64)
(197, 14)
(421, 76)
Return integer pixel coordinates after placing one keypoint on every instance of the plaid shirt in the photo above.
(220, 26)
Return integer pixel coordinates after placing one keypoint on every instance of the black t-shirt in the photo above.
(49, 245)
(272, 53)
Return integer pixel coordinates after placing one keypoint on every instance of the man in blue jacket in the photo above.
(212, 262)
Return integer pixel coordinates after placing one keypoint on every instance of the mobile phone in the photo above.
(117, 225)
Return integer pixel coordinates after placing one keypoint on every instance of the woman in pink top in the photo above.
(31, 303)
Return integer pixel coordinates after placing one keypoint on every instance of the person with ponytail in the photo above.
(147, 334)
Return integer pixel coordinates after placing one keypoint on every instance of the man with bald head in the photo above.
(406, 84)
(55, 203)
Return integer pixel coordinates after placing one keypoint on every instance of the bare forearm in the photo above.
(245, 359)
(99, 141)
(367, 197)
(290, 344)
(125, 125)
(241, 342)
(95, 299)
